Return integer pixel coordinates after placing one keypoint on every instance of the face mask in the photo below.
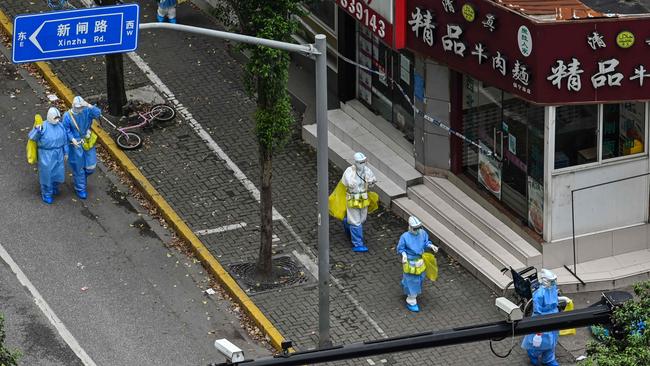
(414, 231)
(360, 166)
(54, 121)
(76, 110)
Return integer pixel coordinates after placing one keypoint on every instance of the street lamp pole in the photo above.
(318, 52)
(323, 214)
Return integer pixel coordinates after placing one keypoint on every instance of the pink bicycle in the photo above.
(128, 140)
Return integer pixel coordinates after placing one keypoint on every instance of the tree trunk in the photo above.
(264, 262)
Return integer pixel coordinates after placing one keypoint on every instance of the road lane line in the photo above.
(221, 229)
(47, 311)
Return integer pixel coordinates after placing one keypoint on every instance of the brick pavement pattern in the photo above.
(208, 81)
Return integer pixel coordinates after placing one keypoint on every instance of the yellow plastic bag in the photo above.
(32, 147)
(431, 266)
(572, 331)
(338, 204)
(374, 202)
(90, 142)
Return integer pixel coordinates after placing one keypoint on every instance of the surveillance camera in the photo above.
(513, 311)
(231, 352)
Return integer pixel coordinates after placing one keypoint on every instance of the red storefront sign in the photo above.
(363, 12)
(580, 61)
(370, 19)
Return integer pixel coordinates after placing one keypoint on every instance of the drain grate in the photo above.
(286, 273)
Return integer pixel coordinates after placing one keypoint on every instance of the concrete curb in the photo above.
(174, 220)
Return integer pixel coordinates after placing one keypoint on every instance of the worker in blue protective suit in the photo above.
(166, 8)
(52, 143)
(541, 346)
(357, 179)
(411, 246)
(77, 123)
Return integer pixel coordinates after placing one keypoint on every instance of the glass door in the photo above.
(514, 142)
(513, 131)
(482, 115)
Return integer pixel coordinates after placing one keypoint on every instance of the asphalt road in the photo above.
(100, 265)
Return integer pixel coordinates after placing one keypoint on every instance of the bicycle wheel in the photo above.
(129, 141)
(56, 4)
(528, 308)
(163, 112)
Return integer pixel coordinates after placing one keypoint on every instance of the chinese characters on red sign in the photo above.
(594, 60)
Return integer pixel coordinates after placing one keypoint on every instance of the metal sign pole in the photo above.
(323, 214)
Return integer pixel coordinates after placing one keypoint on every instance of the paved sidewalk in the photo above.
(366, 298)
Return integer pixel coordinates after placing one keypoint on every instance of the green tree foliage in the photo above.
(7, 357)
(267, 75)
(628, 344)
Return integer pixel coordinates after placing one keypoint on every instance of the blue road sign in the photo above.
(76, 33)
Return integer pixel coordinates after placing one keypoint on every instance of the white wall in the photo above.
(601, 208)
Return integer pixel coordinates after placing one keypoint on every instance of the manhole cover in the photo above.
(286, 273)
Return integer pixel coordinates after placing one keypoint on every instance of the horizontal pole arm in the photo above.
(599, 314)
(291, 47)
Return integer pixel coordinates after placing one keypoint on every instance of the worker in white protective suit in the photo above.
(357, 179)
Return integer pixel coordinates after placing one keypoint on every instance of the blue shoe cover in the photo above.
(82, 194)
(47, 199)
(360, 249)
(160, 19)
(172, 20)
(55, 191)
(414, 308)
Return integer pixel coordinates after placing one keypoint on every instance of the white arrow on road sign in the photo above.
(34, 40)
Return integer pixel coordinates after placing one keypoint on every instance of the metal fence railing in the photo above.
(574, 272)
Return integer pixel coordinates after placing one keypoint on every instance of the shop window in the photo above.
(623, 129)
(576, 135)
(482, 116)
(324, 10)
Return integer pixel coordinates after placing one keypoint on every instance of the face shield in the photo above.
(360, 165)
(53, 116)
(547, 278)
(414, 230)
(359, 161)
(77, 105)
(414, 225)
